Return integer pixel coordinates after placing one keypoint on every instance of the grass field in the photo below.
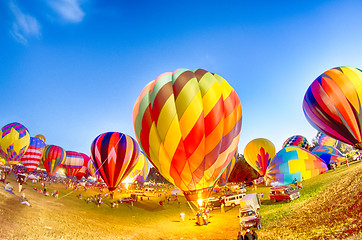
(71, 218)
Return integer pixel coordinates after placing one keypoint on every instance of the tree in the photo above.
(242, 171)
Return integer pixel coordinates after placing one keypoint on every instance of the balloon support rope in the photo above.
(193, 211)
(65, 195)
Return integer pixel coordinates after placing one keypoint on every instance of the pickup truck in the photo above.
(249, 217)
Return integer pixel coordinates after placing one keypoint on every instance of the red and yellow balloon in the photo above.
(188, 124)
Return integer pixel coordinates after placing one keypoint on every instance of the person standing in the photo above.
(248, 235)
(131, 204)
(253, 233)
(240, 236)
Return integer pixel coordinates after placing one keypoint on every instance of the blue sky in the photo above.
(71, 70)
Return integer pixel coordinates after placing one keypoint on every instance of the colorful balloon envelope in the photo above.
(32, 157)
(91, 169)
(53, 158)
(332, 104)
(14, 142)
(259, 153)
(294, 162)
(41, 137)
(137, 170)
(145, 171)
(73, 163)
(298, 141)
(227, 172)
(84, 169)
(114, 155)
(325, 140)
(188, 124)
(329, 154)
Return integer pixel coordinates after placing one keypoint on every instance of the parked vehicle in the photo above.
(237, 189)
(212, 203)
(233, 200)
(249, 217)
(281, 193)
(127, 200)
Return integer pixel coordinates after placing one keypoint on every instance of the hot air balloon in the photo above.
(325, 140)
(137, 169)
(329, 154)
(73, 163)
(53, 158)
(83, 171)
(144, 173)
(296, 140)
(188, 124)
(2, 157)
(259, 153)
(226, 174)
(41, 137)
(332, 104)
(14, 142)
(91, 169)
(114, 154)
(294, 162)
(32, 157)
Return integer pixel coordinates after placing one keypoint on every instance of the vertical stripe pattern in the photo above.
(53, 159)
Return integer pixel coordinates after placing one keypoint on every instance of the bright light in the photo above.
(199, 202)
(127, 185)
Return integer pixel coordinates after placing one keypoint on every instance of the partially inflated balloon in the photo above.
(41, 137)
(298, 141)
(91, 169)
(84, 169)
(14, 142)
(329, 154)
(73, 163)
(226, 174)
(259, 153)
(325, 140)
(294, 162)
(32, 157)
(53, 158)
(114, 155)
(332, 104)
(137, 169)
(188, 124)
(144, 173)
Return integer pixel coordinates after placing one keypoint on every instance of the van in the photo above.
(233, 200)
(281, 193)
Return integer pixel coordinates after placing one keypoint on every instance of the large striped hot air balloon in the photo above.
(258, 154)
(114, 154)
(227, 172)
(73, 163)
(332, 104)
(84, 169)
(32, 157)
(294, 162)
(53, 158)
(14, 141)
(188, 124)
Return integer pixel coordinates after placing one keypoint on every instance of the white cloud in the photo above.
(69, 10)
(24, 26)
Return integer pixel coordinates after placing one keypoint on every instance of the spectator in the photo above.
(9, 188)
(23, 200)
(248, 235)
(253, 233)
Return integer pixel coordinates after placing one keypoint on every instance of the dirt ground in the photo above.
(335, 213)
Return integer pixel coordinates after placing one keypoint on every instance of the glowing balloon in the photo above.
(259, 153)
(91, 169)
(294, 162)
(14, 142)
(329, 154)
(188, 124)
(145, 171)
(114, 154)
(32, 157)
(53, 158)
(332, 104)
(83, 171)
(73, 163)
(298, 141)
(226, 174)
(137, 169)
